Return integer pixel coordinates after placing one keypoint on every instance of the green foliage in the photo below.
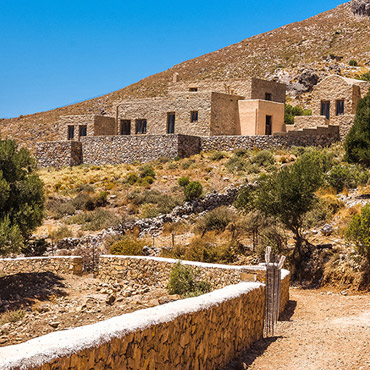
(21, 197)
(186, 164)
(217, 156)
(263, 158)
(184, 181)
(184, 281)
(59, 208)
(274, 237)
(293, 111)
(101, 199)
(341, 176)
(365, 76)
(357, 143)
(193, 190)
(95, 220)
(215, 220)
(128, 246)
(236, 164)
(241, 153)
(61, 233)
(83, 201)
(132, 178)
(147, 171)
(353, 63)
(358, 231)
(35, 247)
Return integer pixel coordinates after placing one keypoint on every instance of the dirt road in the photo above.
(321, 331)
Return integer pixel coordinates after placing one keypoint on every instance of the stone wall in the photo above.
(58, 153)
(59, 265)
(323, 138)
(100, 150)
(104, 125)
(204, 332)
(76, 120)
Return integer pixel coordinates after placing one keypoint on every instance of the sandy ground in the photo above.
(320, 331)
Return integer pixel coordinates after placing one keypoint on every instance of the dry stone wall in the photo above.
(59, 265)
(59, 153)
(205, 332)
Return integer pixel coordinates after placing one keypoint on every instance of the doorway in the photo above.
(268, 129)
(171, 123)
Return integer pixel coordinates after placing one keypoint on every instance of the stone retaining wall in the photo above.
(155, 271)
(59, 153)
(59, 265)
(205, 332)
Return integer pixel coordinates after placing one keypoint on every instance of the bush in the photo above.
(365, 76)
(35, 247)
(215, 220)
(147, 171)
(132, 178)
(241, 153)
(96, 220)
(101, 199)
(193, 190)
(184, 281)
(293, 111)
(217, 156)
(128, 246)
(358, 231)
(184, 181)
(83, 201)
(60, 208)
(263, 158)
(347, 176)
(61, 233)
(236, 164)
(21, 197)
(185, 165)
(353, 63)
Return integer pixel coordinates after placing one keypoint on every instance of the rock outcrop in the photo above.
(361, 7)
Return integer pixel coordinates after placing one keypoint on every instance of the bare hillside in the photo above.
(323, 45)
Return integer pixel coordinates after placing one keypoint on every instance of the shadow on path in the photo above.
(22, 289)
(247, 357)
(289, 311)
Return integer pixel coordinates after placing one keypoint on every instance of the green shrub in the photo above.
(128, 246)
(358, 231)
(274, 237)
(83, 201)
(132, 178)
(60, 208)
(146, 171)
(148, 180)
(353, 63)
(293, 111)
(184, 181)
(186, 164)
(35, 247)
(365, 76)
(241, 153)
(173, 166)
(215, 220)
(184, 281)
(61, 233)
(236, 164)
(263, 158)
(217, 156)
(347, 176)
(193, 190)
(95, 220)
(101, 199)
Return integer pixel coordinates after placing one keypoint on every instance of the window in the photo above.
(193, 89)
(268, 96)
(141, 126)
(171, 123)
(268, 129)
(194, 116)
(325, 109)
(125, 127)
(71, 132)
(83, 130)
(340, 107)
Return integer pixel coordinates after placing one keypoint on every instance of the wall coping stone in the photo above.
(38, 258)
(46, 348)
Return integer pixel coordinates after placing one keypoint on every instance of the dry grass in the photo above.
(11, 316)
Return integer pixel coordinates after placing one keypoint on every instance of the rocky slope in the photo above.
(299, 54)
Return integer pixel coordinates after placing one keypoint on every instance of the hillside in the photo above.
(323, 45)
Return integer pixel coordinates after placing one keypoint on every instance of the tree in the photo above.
(287, 196)
(293, 111)
(21, 197)
(357, 143)
(193, 190)
(359, 231)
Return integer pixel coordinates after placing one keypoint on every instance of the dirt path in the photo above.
(322, 332)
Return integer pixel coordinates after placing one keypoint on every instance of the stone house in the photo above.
(334, 102)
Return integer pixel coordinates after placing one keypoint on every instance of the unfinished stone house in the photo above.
(334, 102)
(193, 116)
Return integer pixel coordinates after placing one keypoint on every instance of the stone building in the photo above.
(334, 102)
(193, 116)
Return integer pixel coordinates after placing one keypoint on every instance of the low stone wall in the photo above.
(299, 138)
(205, 332)
(59, 153)
(102, 150)
(155, 271)
(59, 265)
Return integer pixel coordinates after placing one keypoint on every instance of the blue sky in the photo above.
(58, 52)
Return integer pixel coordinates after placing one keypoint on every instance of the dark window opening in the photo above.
(268, 130)
(83, 130)
(193, 89)
(268, 96)
(340, 107)
(125, 127)
(141, 126)
(325, 109)
(71, 132)
(171, 117)
(194, 116)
